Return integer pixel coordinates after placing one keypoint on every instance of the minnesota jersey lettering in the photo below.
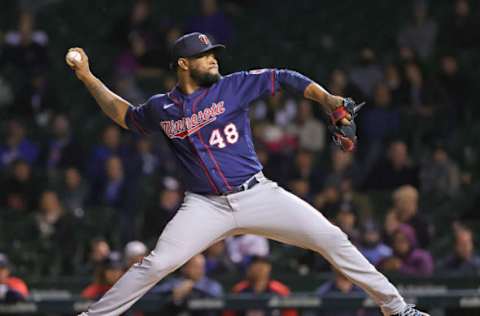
(189, 125)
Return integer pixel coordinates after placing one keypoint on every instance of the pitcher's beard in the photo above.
(204, 79)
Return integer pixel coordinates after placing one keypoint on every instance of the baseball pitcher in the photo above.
(205, 118)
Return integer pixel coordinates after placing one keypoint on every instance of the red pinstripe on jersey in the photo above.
(200, 137)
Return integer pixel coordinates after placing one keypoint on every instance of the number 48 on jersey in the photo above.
(230, 135)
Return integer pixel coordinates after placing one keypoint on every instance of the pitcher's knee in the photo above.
(331, 243)
(339, 233)
(336, 234)
(331, 237)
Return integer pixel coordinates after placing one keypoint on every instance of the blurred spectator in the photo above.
(258, 281)
(301, 188)
(378, 123)
(140, 59)
(304, 166)
(394, 82)
(454, 85)
(50, 212)
(346, 220)
(305, 179)
(146, 49)
(217, 261)
(6, 93)
(422, 95)
(395, 170)
(19, 188)
(52, 230)
(36, 100)
(371, 244)
(407, 258)
(342, 166)
(212, 21)
(134, 252)
(192, 283)
(280, 109)
(390, 226)
(62, 149)
(356, 199)
(166, 205)
(241, 249)
(406, 55)
(368, 73)
(109, 146)
(139, 22)
(106, 274)
(328, 201)
(74, 192)
(421, 33)
(272, 117)
(340, 285)
(439, 175)
(339, 84)
(405, 204)
(12, 289)
(463, 260)
(25, 48)
(309, 131)
(112, 192)
(16, 145)
(127, 86)
(26, 24)
(238, 7)
(143, 161)
(460, 30)
(99, 250)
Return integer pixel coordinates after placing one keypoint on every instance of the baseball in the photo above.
(74, 56)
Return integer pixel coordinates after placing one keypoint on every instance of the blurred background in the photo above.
(81, 199)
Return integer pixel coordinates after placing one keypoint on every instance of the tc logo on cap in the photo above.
(204, 39)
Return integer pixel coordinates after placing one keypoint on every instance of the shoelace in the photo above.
(410, 311)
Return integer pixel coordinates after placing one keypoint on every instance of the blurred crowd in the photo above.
(78, 202)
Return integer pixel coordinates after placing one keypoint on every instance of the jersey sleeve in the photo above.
(258, 83)
(140, 119)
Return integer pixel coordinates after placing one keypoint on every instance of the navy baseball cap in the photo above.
(192, 44)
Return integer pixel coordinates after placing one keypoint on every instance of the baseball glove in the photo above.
(345, 136)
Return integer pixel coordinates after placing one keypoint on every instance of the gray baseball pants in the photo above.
(266, 209)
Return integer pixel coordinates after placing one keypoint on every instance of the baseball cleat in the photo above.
(412, 311)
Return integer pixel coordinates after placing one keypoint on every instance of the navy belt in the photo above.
(250, 183)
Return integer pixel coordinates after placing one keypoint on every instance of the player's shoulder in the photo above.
(160, 97)
(233, 76)
(259, 71)
(245, 74)
(242, 73)
(155, 100)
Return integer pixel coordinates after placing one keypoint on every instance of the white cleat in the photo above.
(412, 311)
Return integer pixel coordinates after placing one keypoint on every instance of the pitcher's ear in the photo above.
(183, 63)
